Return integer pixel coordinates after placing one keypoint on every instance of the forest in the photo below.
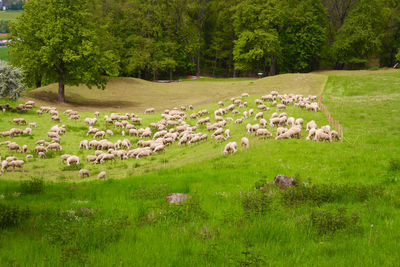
(229, 38)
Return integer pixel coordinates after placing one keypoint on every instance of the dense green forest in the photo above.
(163, 39)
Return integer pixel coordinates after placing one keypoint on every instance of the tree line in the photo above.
(83, 41)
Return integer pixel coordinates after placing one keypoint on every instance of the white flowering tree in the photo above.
(11, 81)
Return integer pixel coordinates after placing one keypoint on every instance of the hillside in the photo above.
(135, 95)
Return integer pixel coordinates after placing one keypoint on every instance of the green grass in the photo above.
(9, 15)
(345, 212)
(4, 53)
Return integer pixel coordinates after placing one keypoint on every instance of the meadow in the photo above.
(9, 15)
(343, 212)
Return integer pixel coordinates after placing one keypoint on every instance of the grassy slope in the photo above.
(4, 53)
(367, 106)
(134, 95)
(9, 15)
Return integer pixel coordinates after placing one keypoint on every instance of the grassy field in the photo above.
(134, 95)
(344, 211)
(4, 53)
(9, 15)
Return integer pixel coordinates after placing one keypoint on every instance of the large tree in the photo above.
(57, 40)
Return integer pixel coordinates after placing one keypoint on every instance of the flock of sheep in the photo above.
(174, 126)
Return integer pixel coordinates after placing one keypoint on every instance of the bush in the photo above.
(12, 216)
(328, 193)
(33, 186)
(326, 221)
(11, 81)
(256, 202)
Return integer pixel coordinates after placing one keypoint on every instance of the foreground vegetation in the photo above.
(345, 208)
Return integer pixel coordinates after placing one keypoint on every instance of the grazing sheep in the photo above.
(64, 157)
(220, 103)
(99, 134)
(263, 132)
(91, 158)
(280, 107)
(217, 132)
(14, 146)
(259, 115)
(311, 133)
(41, 155)
(230, 148)
(281, 130)
(25, 149)
(290, 121)
(299, 121)
(335, 135)
(72, 159)
(263, 123)
(32, 125)
(149, 111)
(17, 163)
(83, 173)
(244, 142)
(227, 134)
(27, 157)
(320, 134)
(54, 146)
(311, 125)
(220, 138)
(158, 148)
(102, 175)
(97, 113)
(143, 153)
(84, 144)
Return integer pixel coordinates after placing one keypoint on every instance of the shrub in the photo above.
(33, 186)
(256, 202)
(12, 216)
(326, 221)
(11, 81)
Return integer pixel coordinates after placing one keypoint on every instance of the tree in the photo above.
(398, 56)
(11, 81)
(58, 41)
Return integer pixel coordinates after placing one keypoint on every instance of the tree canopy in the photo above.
(59, 41)
(84, 41)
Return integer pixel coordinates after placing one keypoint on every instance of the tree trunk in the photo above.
(38, 84)
(198, 64)
(170, 74)
(61, 85)
(61, 89)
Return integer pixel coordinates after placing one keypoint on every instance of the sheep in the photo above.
(64, 157)
(263, 123)
(320, 134)
(281, 130)
(251, 111)
(159, 148)
(230, 148)
(311, 133)
(14, 146)
(91, 158)
(239, 121)
(17, 163)
(244, 142)
(220, 138)
(92, 131)
(311, 125)
(280, 107)
(326, 129)
(263, 132)
(4, 165)
(9, 159)
(262, 107)
(217, 132)
(149, 111)
(97, 114)
(109, 132)
(335, 135)
(25, 149)
(27, 157)
(227, 133)
(259, 115)
(72, 159)
(41, 155)
(143, 153)
(52, 134)
(84, 144)
(220, 103)
(100, 134)
(54, 146)
(83, 173)
(107, 157)
(290, 121)
(299, 121)
(102, 175)
(32, 125)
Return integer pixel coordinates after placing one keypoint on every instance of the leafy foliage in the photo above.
(11, 81)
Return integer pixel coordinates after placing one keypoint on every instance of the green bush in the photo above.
(12, 216)
(256, 202)
(325, 221)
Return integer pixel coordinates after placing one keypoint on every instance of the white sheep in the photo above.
(244, 142)
(263, 132)
(311, 125)
(259, 115)
(102, 175)
(230, 148)
(72, 159)
(83, 173)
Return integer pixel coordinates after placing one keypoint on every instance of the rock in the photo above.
(176, 198)
(283, 181)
